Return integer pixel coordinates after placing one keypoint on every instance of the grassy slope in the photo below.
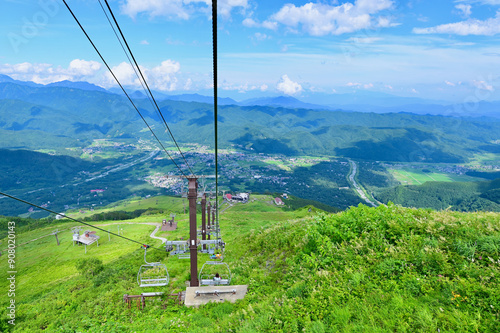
(460, 196)
(366, 269)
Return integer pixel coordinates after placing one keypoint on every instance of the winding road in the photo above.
(357, 187)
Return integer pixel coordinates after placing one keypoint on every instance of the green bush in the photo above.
(90, 267)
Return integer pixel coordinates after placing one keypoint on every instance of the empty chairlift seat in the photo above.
(152, 274)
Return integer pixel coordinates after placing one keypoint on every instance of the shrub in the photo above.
(89, 267)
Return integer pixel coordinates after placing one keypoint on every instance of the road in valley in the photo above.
(357, 187)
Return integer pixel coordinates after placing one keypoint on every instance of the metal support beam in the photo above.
(214, 223)
(209, 209)
(203, 219)
(55, 234)
(193, 247)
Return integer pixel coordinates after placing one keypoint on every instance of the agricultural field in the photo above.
(290, 163)
(485, 159)
(412, 176)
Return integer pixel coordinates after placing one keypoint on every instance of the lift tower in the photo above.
(203, 219)
(193, 242)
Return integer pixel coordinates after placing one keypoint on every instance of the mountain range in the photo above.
(72, 114)
(360, 101)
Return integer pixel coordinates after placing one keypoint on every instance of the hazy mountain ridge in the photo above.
(75, 114)
(358, 100)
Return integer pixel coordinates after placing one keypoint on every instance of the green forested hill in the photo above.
(460, 196)
(62, 116)
(382, 269)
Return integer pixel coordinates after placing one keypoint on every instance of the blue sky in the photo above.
(443, 50)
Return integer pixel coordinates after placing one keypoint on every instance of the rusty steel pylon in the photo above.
(209, 209)
(193, 242)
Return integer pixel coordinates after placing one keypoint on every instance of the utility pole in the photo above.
(55, 234)
(193, 246)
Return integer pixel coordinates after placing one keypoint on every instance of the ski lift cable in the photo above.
(214, 57)
(87, 224)
(123, 89)
(149, 93)
(128, 56)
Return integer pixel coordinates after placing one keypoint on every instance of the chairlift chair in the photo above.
(208, 274)
(152, 274)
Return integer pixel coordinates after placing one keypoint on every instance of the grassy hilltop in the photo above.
(366, 269)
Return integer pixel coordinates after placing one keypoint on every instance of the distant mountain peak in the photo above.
(6, 78)
(282, 101)
(137, 94)
(82, 85)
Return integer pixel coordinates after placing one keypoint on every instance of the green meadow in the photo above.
(410, 176)
(384, 269)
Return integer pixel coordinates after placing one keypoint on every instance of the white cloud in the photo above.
(483, 85)
(270, 25)
(242, 88)
(320, 19)
(124, 73)
(260, 36)
(168, 8)
(46, 73)
(144, 42)
(482, 2)
(488, 27)
(359, 85)
(363, 40)
(465, 10)
(224, 7)
(163, 76)
(179, 9)
(287, 86)
(250, 23)
(80, 67)
(385, 22)
(188, 85)
(449, 83)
